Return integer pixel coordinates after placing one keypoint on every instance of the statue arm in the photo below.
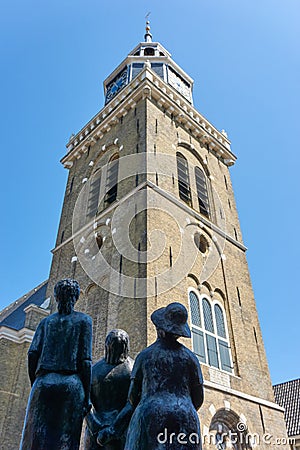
(197, 391)
(32, 365)
(118, 428)
(86, 381)
(34, 351)
(93, 423)
(135, 390)
(197, 395)
(123, 418)
(86, 361)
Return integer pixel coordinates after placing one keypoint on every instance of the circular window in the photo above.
(201, 242)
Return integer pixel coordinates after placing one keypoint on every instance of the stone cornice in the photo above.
(169, 197)
(33, 307)
(17, 336)
(197, 216)
(250, 398)
(149, 85)
(13, 306)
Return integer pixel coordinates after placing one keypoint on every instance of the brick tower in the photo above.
(149, 217)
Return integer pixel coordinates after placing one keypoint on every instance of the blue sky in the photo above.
(244, 58)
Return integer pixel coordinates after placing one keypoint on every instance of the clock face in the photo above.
(116, 85)
(179, 84)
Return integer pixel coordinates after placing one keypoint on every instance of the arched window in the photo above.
(93, 198)
(225, 425)
(207, 313)
(195, 310)
(197, 333)
(202, 191)
(112, 179)
(209, 332)
(220, 321)
(183, 179)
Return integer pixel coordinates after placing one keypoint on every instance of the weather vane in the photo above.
(148, 35)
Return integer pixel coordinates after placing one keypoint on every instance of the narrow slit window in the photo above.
(235, 234)
(71, 185)
(226, 184)
(239, 296)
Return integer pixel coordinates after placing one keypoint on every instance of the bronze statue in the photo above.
(59, 365)
(109, 390)
(165, 392)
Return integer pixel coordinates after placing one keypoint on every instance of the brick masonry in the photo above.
(145, 129)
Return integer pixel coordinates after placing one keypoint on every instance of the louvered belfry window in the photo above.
(202, 193)
(183, 179)
(209, 333)
(112, 180)
(93, 198)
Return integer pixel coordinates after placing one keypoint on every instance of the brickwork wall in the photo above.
(264, 424)
(229, 283)
(14, 391)
(108, 310)
(230, 273)
(146, 129)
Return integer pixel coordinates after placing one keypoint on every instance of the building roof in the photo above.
(13, 316)
(287, 395)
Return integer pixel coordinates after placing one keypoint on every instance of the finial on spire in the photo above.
(148, 35)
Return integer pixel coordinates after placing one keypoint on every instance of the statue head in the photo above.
(116, 347)
(66, 293)
(172, 320)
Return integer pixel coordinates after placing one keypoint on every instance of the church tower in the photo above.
(148, 218)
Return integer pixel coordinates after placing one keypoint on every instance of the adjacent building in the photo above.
(287, 395)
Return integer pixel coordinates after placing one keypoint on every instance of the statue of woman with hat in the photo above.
(166, 390)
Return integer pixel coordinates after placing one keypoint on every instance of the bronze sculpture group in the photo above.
(109, 390)
(149, 405)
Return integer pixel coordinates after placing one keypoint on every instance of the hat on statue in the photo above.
(172, 319)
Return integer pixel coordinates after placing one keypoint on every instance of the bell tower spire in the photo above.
(148, 35)
(154, 56)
